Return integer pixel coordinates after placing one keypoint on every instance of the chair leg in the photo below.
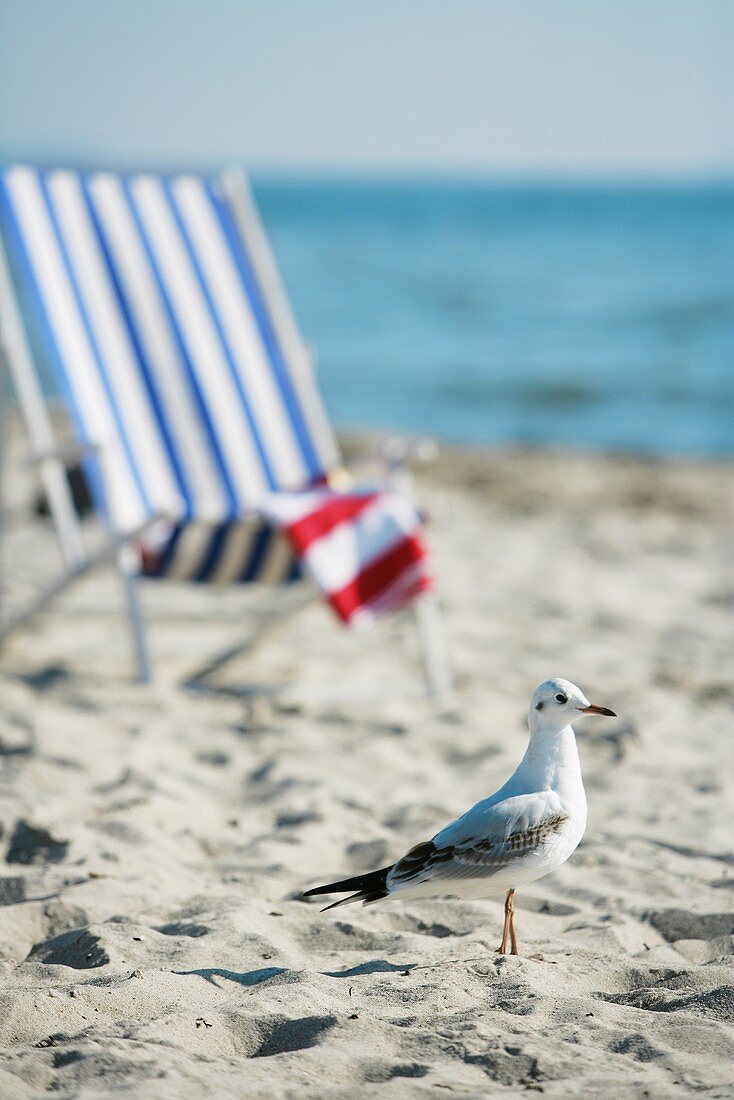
(433, 643)
(439, 684)
(128, 569)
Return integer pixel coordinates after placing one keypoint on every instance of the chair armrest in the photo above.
(395, 455)
(391, 467)
(418, 451)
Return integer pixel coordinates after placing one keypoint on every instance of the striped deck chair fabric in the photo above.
(158, 309)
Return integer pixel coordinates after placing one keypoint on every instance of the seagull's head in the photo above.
(556, 703)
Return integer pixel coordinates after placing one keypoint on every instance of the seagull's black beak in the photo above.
(592, 709)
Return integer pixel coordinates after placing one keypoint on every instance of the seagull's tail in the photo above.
(369, 887)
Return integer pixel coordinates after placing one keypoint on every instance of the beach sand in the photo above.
(156, 839)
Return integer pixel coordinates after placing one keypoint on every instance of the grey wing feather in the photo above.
(482, 841)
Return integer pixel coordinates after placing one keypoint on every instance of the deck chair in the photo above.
(158, 304)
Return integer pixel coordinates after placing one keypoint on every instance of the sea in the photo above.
(582, 316)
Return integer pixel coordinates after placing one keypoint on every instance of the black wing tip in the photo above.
(315, 890)
(341, 901)
(368, 883)
(365, 896)
(327, 888)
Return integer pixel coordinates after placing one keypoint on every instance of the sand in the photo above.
(156, 839)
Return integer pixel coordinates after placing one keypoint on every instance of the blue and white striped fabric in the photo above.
(155, 300)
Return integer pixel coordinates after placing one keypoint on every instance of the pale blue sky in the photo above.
(525, 87)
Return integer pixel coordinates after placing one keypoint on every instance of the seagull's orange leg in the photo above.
(508, 928)
(513, 938)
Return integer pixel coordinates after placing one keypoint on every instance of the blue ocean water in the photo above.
(587, 316)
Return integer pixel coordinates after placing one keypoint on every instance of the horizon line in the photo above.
(385, 173)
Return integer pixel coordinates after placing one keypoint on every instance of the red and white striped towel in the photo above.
(364, 550)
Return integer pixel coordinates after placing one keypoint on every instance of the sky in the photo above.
(526, 88)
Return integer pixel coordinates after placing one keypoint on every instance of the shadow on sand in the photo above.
(248, 977)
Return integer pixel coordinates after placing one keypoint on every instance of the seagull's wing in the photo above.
(482, 841)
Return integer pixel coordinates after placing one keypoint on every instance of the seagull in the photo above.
(521, 833)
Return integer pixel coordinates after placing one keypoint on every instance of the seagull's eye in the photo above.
(562, 698)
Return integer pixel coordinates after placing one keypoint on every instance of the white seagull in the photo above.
(522, 832)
